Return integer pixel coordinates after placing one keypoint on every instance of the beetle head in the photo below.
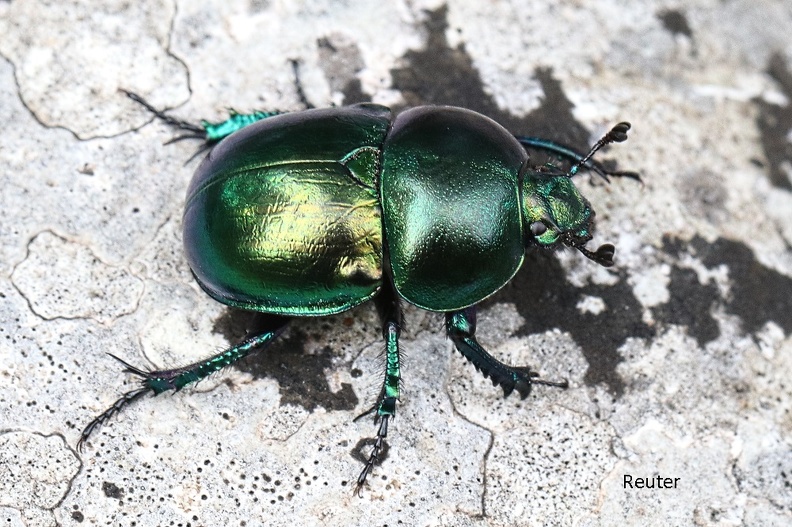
(555, 212)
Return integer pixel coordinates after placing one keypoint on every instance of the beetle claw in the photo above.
(125, 400)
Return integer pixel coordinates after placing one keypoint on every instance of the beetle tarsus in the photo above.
(124, 401)
(461, 328)
(209, 133)
(376, 450)
(298, 84)
(159, 114)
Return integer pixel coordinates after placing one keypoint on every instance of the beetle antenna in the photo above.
(603, 255)
(617, 134)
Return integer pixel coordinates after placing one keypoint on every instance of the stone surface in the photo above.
(679, 357)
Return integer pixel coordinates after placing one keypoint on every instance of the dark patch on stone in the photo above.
(77, 516)
(675, 22)
(353, 92)
(690, 305)
(341, 61)
(111, 490)
(234, 324)
(301, 375)
(704, 194)
(775, 122)
(257, 6)
(439, 74)
(758, 294)
(546, 300)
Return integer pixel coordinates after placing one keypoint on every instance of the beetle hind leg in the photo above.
(159, 381)
(385, 408)
(211, 133)
(461, 328)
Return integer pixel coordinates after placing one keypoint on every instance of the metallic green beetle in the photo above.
(314, 212)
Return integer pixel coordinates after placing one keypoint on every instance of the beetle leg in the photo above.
(461, 328)
(196, 131)
(390, 312)
(208, 132)
(160, 381)
(298, 84)
(236, 121)
(211, 133)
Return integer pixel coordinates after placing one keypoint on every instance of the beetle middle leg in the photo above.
(461, 328)
(391, 314)
(159, 381)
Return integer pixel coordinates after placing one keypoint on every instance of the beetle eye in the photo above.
(538, 228)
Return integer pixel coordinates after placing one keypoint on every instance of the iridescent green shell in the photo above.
(451, 206)
(284, 217)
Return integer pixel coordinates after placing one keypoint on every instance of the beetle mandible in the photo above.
(314, 212)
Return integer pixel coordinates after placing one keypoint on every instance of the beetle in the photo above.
(314, 212)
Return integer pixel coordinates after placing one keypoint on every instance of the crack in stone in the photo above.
(28, 108)
(69, 481)
(490, 442)
(67, 240)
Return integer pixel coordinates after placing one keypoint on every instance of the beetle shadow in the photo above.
(546, 301)
(301, 375)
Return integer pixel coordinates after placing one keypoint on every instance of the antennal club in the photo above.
(603, 255)
(617, 134)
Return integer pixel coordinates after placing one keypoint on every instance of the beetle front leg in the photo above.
(617, 134)
(461, 328)
(159, 381)
(385, 408)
